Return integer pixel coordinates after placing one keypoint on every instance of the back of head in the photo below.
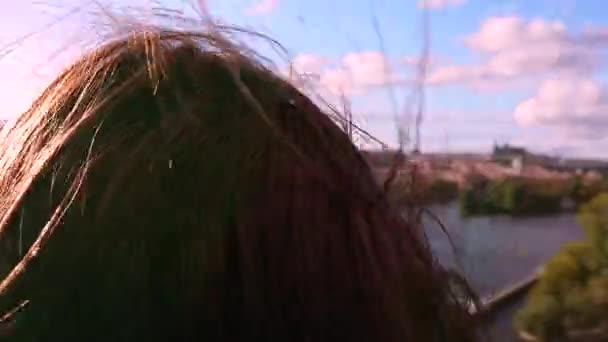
(166, 187)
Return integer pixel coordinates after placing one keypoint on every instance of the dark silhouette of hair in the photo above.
(167, 187)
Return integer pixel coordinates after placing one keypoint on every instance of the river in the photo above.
(497, 251)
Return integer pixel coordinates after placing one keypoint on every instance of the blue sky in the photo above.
(524, 72)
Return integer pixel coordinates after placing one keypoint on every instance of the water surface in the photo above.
(500, 250)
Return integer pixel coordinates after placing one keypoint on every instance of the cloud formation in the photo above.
(511, 48)
(439, 4)
(262, 7)
(360, 71)
(354, 73)
(576, 106)
(508, 32)
(560, 64)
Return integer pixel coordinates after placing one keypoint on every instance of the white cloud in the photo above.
(354, 73)
(512, 48)
(576, 106)
(544, 55)
(359, 71)
(263, 7)
(508, 32)
(439, 4)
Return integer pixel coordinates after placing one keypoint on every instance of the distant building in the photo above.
(508, 155)
(507, 151)
(517, 163)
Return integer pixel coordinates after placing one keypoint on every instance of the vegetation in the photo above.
(424, 192)
(572, 293)
(508, 196)
(513, 196)
(583, 190)
(442, 191)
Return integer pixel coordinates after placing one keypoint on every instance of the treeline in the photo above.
(508, 196)
(518, 196)
(512, 196)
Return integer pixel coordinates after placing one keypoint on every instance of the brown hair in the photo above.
(167, 187)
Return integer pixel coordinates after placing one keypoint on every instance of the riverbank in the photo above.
(515, 196)
(498, 327)
(495, 302)
(498, 251)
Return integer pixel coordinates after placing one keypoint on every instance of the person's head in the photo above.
(166, 187)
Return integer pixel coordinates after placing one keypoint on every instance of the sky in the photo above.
(524, 72)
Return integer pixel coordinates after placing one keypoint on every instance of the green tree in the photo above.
(467, 203)
(572, 292)
(514, 194)
(598, 291)
(593, 217)
(541, 317)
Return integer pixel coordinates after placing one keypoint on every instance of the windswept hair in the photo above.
(169, 187)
